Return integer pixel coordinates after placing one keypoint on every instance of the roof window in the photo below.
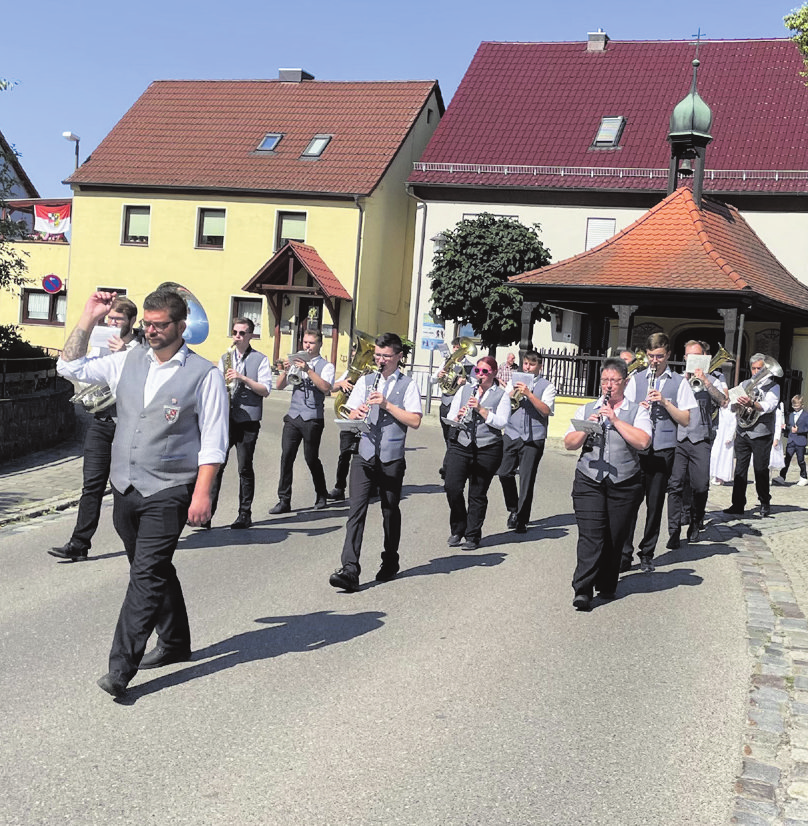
(609, 133)
(316, 146)
(269, 142)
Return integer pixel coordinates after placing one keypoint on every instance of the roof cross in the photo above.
(698, 35)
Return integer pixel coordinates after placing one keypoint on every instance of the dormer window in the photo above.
(609, 133)
(316, 146)
(269, 142)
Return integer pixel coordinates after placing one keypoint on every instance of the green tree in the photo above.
(471, 270)
(797, 22)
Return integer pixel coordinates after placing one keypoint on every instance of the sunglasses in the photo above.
(482, 371)
(240, 333)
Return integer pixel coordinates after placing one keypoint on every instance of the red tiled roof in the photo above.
(203, 134)
(309, 259)
(539, 105)
(679, 248)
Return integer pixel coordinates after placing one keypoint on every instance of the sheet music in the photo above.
(587, 426)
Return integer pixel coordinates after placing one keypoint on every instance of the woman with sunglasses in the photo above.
(478, 413)
(608, 484)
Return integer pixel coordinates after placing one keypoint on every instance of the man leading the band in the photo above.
(755, 442)
(669, 399)
(248, 378)
(608, 483)
(305, 421)
(475, 452)
(389, 403)
(691, 459)
(524, 438)
(98, 442)
(170, 439)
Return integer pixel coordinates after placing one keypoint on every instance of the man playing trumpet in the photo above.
(691, 459)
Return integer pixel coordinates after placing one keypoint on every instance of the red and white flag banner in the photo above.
(54, 220)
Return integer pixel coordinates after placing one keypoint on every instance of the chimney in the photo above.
(294, 75)
(597, 41)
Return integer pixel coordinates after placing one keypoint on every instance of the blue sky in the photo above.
(80, 65)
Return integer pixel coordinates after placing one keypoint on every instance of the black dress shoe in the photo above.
(321, 503)
(647, 566)
(113, 684)
(511, 520)
(160, 656)
(346, 579)
(733, 511)
(582, 602)
(693, 531)
(765, 510)
(243, 521)
(386, 573)
(519, 528)
(607, 595)
(337, 494)
(625, 564)
(281, 507)
(455, 541)
(70, 552)
(471, 545)
(674, 541)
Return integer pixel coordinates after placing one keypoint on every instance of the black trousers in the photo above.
(477, 466)
(758, 451)
(348, 446)
(243, 436)
(690, 462)
(365, 476)
(309, 432)
(522, 457)
(604, 513)
(95, 471)
(799, 452)
(656, 470)
(150, 528)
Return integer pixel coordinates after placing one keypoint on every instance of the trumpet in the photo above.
(721, 357)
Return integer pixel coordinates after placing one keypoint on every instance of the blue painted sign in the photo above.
(52, 284)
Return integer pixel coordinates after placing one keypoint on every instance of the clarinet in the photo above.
(374, 387)
(466, 413)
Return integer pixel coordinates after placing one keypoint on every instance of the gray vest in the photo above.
(701, 427)
(764, 426)
(157, 447)
(664, 427)
(307, 401)
(608, 456)
(387, 434)
(479, 432)
(246, 405)
(526, 423)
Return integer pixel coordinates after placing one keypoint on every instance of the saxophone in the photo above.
(229, 360)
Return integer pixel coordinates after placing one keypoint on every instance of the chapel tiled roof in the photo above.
(535, 108)
(309, 259)
(204, 134)
(679, 248)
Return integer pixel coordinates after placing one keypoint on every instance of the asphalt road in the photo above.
(467, 691)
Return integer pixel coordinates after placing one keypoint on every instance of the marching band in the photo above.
(651, 433)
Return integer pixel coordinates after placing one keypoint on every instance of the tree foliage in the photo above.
(797, 22)
(470, 272)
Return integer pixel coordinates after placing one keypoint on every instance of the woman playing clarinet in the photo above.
(607, 489)
(478, 414)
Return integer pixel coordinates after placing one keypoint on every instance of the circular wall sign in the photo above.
(52, 284)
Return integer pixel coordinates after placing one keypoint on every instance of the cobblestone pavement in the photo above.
(772, 785)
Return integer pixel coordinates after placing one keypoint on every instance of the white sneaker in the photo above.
(716, 481)
(803, 482)
(778, 480)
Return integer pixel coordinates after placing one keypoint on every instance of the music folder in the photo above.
(357, 425)
(587, 426)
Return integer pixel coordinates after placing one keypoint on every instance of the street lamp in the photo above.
(69, 136)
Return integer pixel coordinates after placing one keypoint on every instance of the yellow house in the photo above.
(204, 182)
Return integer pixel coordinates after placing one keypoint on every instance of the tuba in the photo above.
(640, 362)
(721, 357)
(747, 417)
(361, 364)
(448, 383)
